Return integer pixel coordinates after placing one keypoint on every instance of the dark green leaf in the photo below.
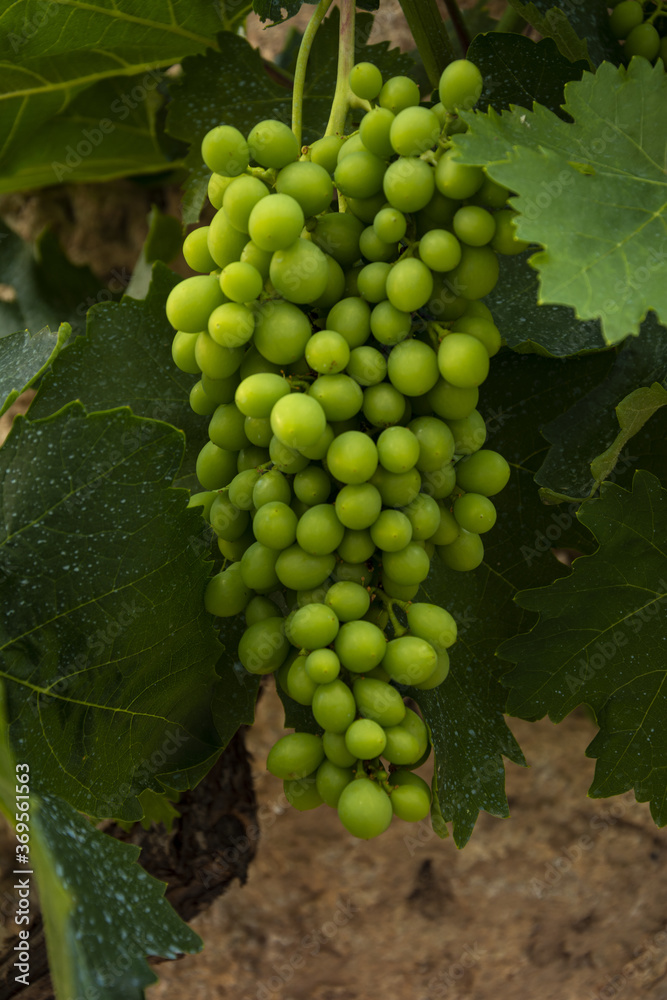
(592, 192)
(298, 717)
(125, 360)
(591, 427)
(272, 10)
(24, 358)
(107, 652)
(600, 641)
(581, 30)
(235, 697)
(517, 70)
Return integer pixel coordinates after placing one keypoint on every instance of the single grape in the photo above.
(214, 360)
(334, 706)
(476, 274)
(410, 796)
(324, 152)
(452, 402)
(226, 594)
(463, 361)
(312, 626)
(412, 367)
(474, 225)
(298, 569)
(460, 85)
(258, 431)
(390, 325)
(319, 531)
(275, 222)
(485, 472)
(262, 649)
(359, 175)
(626, 15)
(225, 151)
(432, 623)
(303, 793)
(299, 685)
(352, 457)
(217, 186)
(284, 458)
(322, 665)
(402, 746)
(378, 701)
(360, 646)
(375, 130)
(282, 331)
(398, 449)
(475, 513)
(390, 225)
(366, 81)
(258, 568)
(397, 489)
(440, 673)
(191, 301)
(364, 808)
(457, 180)
(300, 272)
(366, 366)
(183, 352)
(409, 285)
(339, 396)
(375, 250)
(348, 600)
(257, 394)
(338, 233)
(351, 317)
(240, 198)
(275, 525)
(409, 565)
(435, 441)
(297, 420)
(413, 131)
(232, 324)
(424, 516)
(273, 144)
(226, 427)
(440, 250)
(196, 252)
(643, 40)
(295, 755)
(365, 739)
(327, 352)
(469, 434)
(215, 467)
(505, 240)
(312, 485)
(307, 183)
(483, 329)
(357, 546)
(272, 486)
(331, 780)
(225, 243)
(409, 184)
(398, 93)
(448, 529)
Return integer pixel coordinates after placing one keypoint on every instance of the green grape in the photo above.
(260, 259)
(432, 623)
(252, 458)
(327, 352)
(273, 144)
(299, 686)
(331, 780)
(231, 324)
(307, 183)
(240, 198)
(203, 499)
(312, 485)
(366, 209)
(440, 673)
(351, 318)
(485, 472)
(214, 360)
(350, 601)
(286, 459)
(374, 131)
(410, 284)
(183, 352)
(215, 467)
(643, 40)
(398, 449)
(357, 546)
(360, 646)
(300, 272)
(366, 81)
(626, 15)
(413, 131)
(424, 516)
(414, 725)
(359, 175)
(259, 608)
(378, 701)
(258, 431)
(397, 489)
(262, 649)
(297, 420)
(383, 405)
(465, 553)
(435, 441)
(324, 152)
(220, 390)
(390, 325)
(335, 286)
(402, 746)
(445, 304)
(225, 244)
(505, 240)
(463, 360)
(469, 434)
(452, 402)
(196, 252)
(409, 184)
(303, 793)
(390, 225)
(320, 448)
(275, 525)
(217, 186)
(491, 194)
(298, 569)
(295, 755)
(334, 706)
(440, 250)
(319, 532)
(410, 796)
(365, 739)
(358, 573)
(281, 333)
(226, 594)
(373, 249)
(398, 93)
(271, 487)
(366, 366)
(457, 180)
(438, 214)
(312, 626)
(191, 301)
(358, 506)
(474, 225)
(447, 530)
(225, 151)
(255, 363)
(483, 329)
(241, 282)
(352, 457)
(364, 808)
(412, 367)
(234, 550)
(440, 483)
(322, 665)
(409, 565)
(475, 513)
(226, 427)
(477, 272)
(338, 234)
(241, 487)
(257, 394)
(339, 396)
(335, 749)
(276, 222)
(460, 85)
(258, 568)
(314, 596)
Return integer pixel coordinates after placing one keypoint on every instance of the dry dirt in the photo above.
(566, 900)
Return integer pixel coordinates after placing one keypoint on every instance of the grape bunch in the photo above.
(340, 338)
(642, 26)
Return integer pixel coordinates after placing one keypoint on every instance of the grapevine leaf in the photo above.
(92, 951)
(600, 641)
(298, 717)
(272, 10)
(466, 713)
(43, 288)
(24, 358)
(50, 53)
(164, 241)
(108, 131)
(235, 697)
(517, 70)
(585, 441)
(581, 31)
(593, 192)
(107, 651)
(529, 327)
(125, 360)
(158, 808)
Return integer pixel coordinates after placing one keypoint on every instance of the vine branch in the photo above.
(460, 28)
(302, 65)
(430, 35)
(341, 99)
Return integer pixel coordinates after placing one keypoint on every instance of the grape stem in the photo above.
(341, 101)
(456, 18)
(302, 65)
(389, 606)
